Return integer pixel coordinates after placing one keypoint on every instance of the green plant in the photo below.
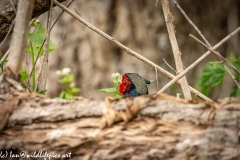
(214, 73)
(116, 79)
(2, 64)
(36, 40)
(24, 77)
(66, 78)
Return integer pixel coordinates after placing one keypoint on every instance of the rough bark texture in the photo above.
(168, 128)
(169, 19)
(7, 14)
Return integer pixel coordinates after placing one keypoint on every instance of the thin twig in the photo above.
(205, 40)
(156, 76)
(126, 49)
(197, 61)
(41, 81)
(169, 66)
(27, 66)
(46, 37)
(77, 12)
(154, 66)
(219, 55)
(176, 51)
(189, 20)
(218, 62)
(5, 55)
(234, 78)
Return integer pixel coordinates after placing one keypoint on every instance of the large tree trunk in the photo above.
(167, 128)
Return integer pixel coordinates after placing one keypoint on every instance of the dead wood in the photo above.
(7, 14)
(167, 127)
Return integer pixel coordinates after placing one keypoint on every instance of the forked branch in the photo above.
(176, 52)
(205, 40)
(197, 61)
(126, 49)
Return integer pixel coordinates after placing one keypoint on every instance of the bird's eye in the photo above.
(124, 81)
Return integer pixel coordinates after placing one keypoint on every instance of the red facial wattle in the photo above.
(124, 83)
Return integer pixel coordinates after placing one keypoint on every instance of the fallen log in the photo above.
(166, 127)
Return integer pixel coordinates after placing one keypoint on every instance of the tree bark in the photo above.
(18, 43)
(169, 19)
(7, 14)
(167, 128)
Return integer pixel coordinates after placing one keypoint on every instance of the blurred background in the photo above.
(140, 26)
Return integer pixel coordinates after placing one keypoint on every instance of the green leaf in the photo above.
(28, 50)
(112, 90)
(212, 75)
(42, 92)
(24, 86)
(235, 91)
(37, 40)
(36, 23)
(66, 79)
(37, 37)
(74, 90)
(62, 95)
(3, 61)
(24, 75)
(69, 96)
(108, 90)
(65, 95)
(205, 90)
(36, 48)
(151, 81)
(52, 46)
(118, 95)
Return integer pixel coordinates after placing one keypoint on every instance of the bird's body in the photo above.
(133, 85)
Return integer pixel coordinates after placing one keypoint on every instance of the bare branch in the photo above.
(197, 61)
(217, 53)
(189, 20)
(169, 66)
(156, 76)
(127, 50)
(176, 52)
(234, 78)
(205, 40)
(42, 78)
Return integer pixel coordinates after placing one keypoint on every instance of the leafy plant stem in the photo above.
(33, 72)
(35, 28)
